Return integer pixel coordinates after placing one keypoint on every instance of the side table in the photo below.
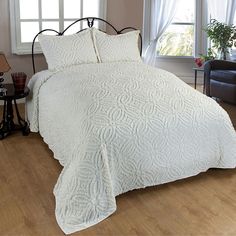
(7, 125)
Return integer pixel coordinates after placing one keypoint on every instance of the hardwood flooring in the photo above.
(201, 205)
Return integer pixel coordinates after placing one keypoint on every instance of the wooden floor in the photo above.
(201, 205)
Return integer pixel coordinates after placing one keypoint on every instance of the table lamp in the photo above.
(4, 67)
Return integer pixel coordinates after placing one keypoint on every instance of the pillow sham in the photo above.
(63, 51)
(121, 47)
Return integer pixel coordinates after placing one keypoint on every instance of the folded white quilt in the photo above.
(122, 126)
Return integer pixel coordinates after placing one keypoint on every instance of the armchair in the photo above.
(220, 80)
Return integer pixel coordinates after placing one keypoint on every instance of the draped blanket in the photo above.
(116, 127)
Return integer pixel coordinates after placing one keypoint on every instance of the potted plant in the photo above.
(222, 36)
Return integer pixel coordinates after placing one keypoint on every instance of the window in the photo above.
(184, 37)
(28, 17)
(178, 38)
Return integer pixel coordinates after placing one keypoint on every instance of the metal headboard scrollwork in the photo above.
(90, 23)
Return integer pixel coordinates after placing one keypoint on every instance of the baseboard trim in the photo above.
(189, 79)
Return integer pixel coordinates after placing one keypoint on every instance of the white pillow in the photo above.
(121, 47)
(62, 51)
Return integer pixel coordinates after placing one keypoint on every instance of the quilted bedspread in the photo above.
(115, 127)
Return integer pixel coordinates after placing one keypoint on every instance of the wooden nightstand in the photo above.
(7, 125)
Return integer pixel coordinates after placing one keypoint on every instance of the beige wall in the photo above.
(120, 13)
(124, 13)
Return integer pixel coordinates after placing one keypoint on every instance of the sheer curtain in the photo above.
(222, 10)
(162, 13)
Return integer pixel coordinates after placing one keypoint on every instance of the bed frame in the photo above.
(90, 23)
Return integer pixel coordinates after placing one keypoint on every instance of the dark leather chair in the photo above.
(220, 80)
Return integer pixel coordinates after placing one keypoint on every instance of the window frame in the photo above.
(20, 48)
(200, 22)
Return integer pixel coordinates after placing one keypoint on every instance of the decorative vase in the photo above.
(19, 79)
(222, 53)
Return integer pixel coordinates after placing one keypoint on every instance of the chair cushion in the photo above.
(226, 76)
(224, 91)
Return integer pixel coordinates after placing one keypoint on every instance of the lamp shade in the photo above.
(4, 66)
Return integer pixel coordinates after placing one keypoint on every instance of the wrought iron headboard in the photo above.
(90, 23)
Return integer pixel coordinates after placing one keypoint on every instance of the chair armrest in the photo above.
(220, 65)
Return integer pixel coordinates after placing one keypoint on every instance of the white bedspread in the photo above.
(122, 126)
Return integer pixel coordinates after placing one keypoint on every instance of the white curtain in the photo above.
(162, 13)
(222, 10)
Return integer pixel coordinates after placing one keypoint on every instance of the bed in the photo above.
(119, 125)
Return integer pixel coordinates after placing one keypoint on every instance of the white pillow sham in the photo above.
(122, 47)
(63, 51)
